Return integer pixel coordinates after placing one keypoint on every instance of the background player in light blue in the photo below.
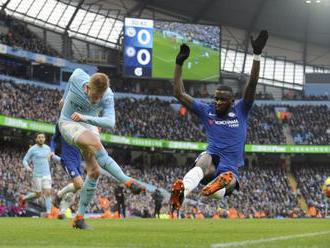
(225, 123)
(38, 156)
(84, 99)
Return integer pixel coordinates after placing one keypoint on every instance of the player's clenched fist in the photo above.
(183, 54)
(259, 43)
(76, 116)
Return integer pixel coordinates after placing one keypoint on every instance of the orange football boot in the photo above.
(220, 182)
(135, 187)
(177, 194)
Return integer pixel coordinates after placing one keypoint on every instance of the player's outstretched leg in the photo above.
(88, 190)
(61, 193)
(134, 186)
(220, 194)
(111, 166)
(23, 199)
(181, 188)
(21, 202)
(79, 223)
(221, 181)
(66, 202)
(177, 195)
(48, 201)
(74, 187)
(86, 195)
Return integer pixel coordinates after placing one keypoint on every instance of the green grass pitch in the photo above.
(202, 68)
(47, 233)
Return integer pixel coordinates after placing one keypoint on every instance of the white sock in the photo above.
(192, 179)
(69, 188)
(66, 202)
(220, 194)
(30, 196)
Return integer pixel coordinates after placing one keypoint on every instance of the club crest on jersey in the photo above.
(231, 114)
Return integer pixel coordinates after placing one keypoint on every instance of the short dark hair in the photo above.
(225, 88)
(37, 134)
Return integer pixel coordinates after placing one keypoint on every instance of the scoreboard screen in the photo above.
(150, 48)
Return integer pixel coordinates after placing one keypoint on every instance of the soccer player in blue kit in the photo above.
(225, 123)
(70, 159)
(84, 99)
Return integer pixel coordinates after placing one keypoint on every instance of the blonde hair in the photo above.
(99, 82)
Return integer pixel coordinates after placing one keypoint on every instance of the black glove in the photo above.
(183, 54)
(259, 43)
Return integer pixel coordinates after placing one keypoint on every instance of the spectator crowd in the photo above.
(310, 180)
(154, 118)
(264, 188)
(310, 124)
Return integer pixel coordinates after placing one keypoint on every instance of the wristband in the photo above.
(257, 57)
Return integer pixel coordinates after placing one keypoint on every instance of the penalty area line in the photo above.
(260, 241)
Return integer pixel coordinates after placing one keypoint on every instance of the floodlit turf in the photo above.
(28, 232)
(202, 68)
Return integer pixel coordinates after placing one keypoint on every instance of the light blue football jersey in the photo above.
(38, 155)
(76, 100)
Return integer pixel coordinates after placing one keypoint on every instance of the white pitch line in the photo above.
(165, 60)
(213, 76)
(259, 241)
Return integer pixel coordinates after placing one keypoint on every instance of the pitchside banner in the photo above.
(138, 41)
(160, 143)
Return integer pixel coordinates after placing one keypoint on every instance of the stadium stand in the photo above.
(302, 96)
(269, 129)
(310, 178)
(20, 36)
(264, 188)
(153, 118)
(309, 124)
(26, 101)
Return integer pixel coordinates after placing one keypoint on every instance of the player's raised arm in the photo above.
(258, 45)
(179, 91)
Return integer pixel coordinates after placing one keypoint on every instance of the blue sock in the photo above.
(86, 194)
(110, 165)
(48, 204)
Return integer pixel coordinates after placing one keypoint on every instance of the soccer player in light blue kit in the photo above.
(38, 155)
(84, 99)
(225, 123)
